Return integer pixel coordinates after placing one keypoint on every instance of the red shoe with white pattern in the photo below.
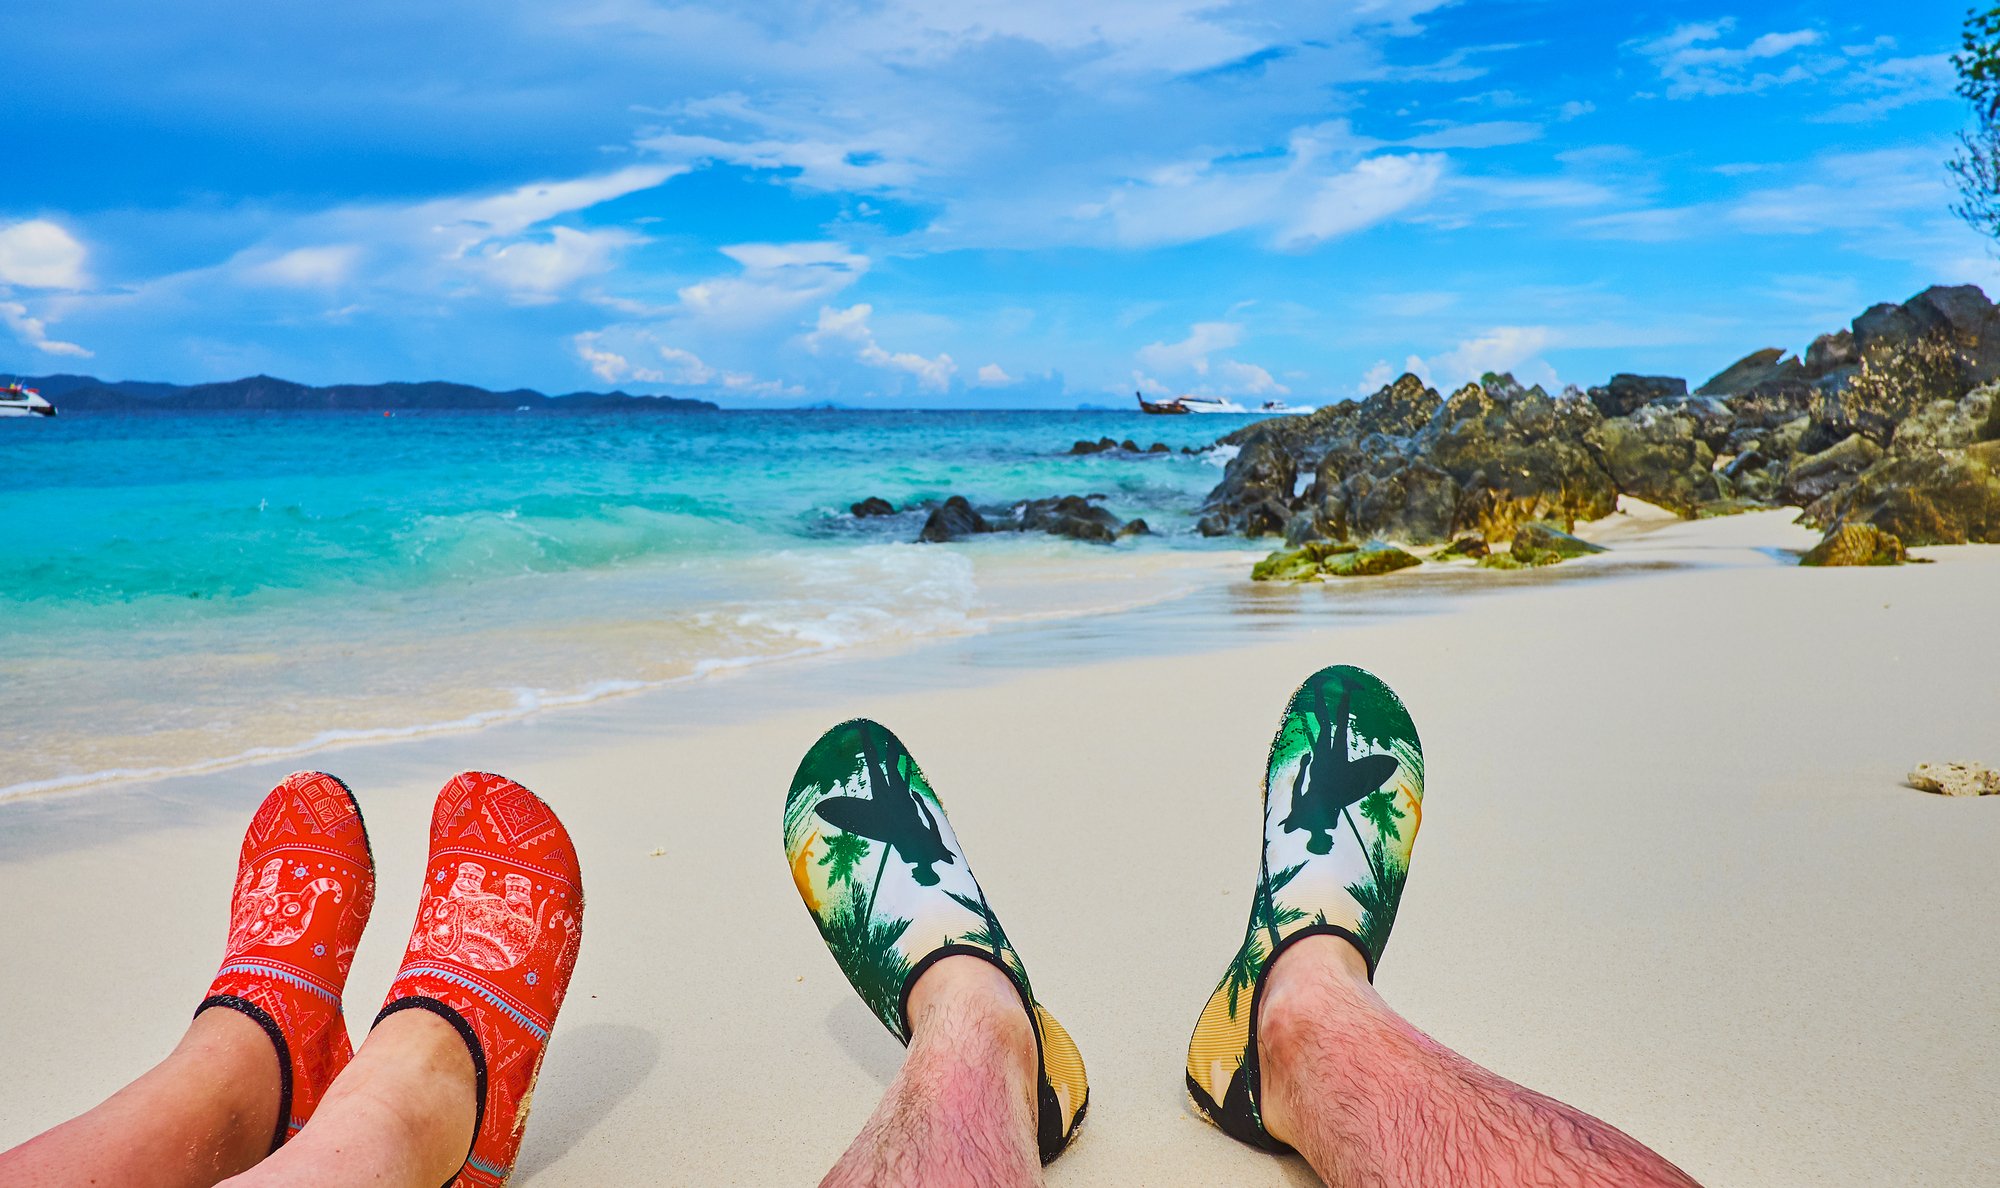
(305, 880)
(496, 938)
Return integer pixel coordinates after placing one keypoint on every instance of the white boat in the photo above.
(19, 401)
(1208, 404)
(1278, 408)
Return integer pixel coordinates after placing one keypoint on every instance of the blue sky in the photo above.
(919, 202)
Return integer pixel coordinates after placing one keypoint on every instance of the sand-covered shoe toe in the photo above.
(1343, 796)
(305, 881)
(879, 868)
(498, 927)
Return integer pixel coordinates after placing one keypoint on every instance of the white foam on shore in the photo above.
(832, 601)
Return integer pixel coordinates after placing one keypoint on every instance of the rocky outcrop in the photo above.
(1255, 496)
(1879, 423)
(1535, 539)
(1928, 497)
(1657, 455)
(1856, 544)
(874, 505)
(1815, 476)
(1623, 393)
(1324, 559)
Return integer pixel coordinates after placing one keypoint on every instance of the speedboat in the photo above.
(1278, 408)
(19, 401)
(1188, 404)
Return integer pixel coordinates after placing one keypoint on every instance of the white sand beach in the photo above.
(1669, 870)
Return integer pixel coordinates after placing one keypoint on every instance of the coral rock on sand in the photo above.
(1956, 779)
(1465, 546)
(1856, 544)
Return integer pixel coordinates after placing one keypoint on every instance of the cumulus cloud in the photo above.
(677, 366)
(39, 254)
(848, 328)
(994, 376)
(34, 332)
(1502, 348)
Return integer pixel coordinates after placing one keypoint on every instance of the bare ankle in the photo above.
(1313, 983)
(969, 1004)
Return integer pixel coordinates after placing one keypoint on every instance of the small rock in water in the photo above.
(1158, 447)
(874, 505)
(953, 520)
(1856, 544)
(1322, 559)
(1956, 779)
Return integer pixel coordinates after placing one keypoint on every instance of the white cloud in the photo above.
(1692, 62)
(776, 280)
(1191, 353)
(608, 365)
(1502, 348)
(318, 267)
(1191, 357)
(538, 268)
(35, 332)
(682, 367)
(1372, 192)
(1890, 84)
(39, 254)
(849, 327)
(1575, 109)
(994, 376)
(1491, 134)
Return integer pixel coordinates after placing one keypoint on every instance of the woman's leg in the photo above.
(401, 1113)
(203, 1114)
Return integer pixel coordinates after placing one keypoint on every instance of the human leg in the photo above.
(1370, 1100)
(400, 1114)
(199, 1116)
(962, 1109)
(268, 1038)
(887, 885)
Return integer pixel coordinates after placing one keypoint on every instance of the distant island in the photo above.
(88, 394)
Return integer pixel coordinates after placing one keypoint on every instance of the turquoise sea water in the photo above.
(175, 591)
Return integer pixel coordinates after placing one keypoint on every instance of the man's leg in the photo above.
(401, 1113)
(201, 1115)
(1370, 1100)
(962, 1110)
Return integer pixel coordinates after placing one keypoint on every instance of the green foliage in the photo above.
(1379, 718)
(867, 953)
(831, 762)
(1976, 165)
(1380, 809)
(1378, 898)
(843, 852)
(1243, 971)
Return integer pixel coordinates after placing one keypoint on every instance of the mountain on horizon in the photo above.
(88, 394)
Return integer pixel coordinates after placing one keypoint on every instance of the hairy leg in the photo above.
(201, 1115)
(401, 1113)
(1371, 1101)
(962, 1111)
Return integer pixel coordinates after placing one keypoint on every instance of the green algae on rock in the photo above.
(1856, 544)
(1323, 559)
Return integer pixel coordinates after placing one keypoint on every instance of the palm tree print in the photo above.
(867, 951)
(844, 851)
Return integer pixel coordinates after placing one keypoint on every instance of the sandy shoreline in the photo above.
(1668, 872)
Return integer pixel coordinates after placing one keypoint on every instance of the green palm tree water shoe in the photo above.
(1343, 796)
(885, 880)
